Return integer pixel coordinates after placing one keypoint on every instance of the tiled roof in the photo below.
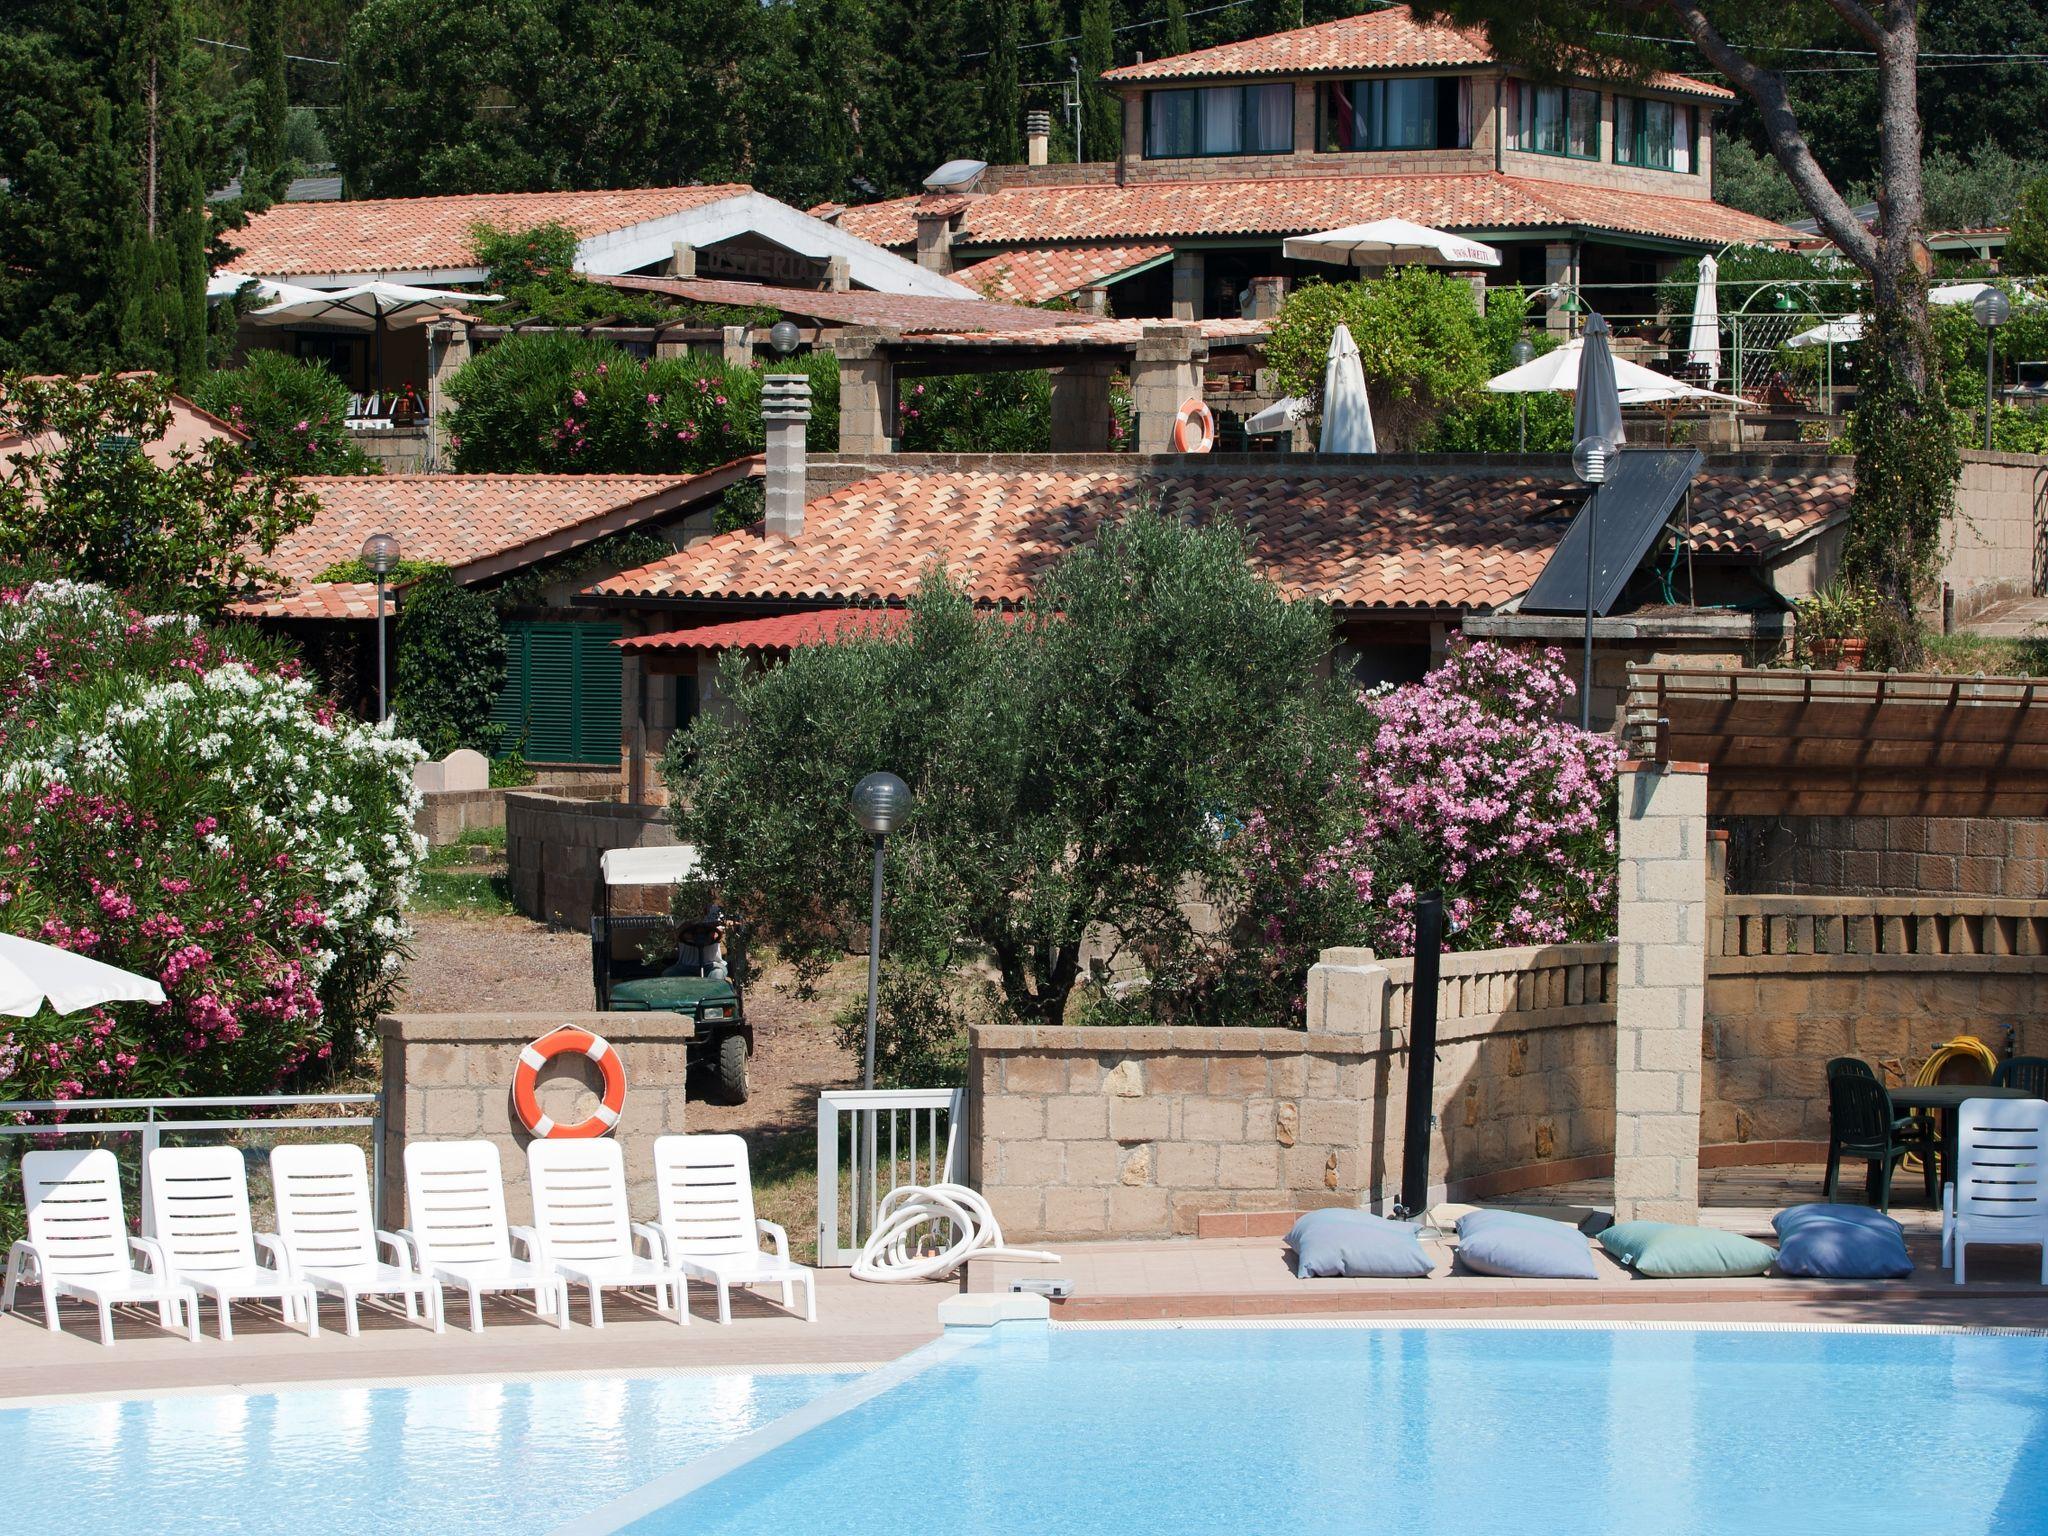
(1388, 39)
(774, 632)
(1032, 277)
(1356, 536)
(1091, 331)
(459, 521)
(431, 234)
(1291, 205)
(1735, 513)
(908, 313)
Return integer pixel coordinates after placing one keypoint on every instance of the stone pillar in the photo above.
(935, 241)
(1188, 273)
(785, 416)
(1165, 373)
(867, 386)
(1305, 116)
(449, 1075)
(448, 349)
(682, 261)
(838, 274)
(1080, 408)
(734, 347)
(1560, 265)
(1661, 977)
(1268, 294)
(1094, 299)
(1037, 137)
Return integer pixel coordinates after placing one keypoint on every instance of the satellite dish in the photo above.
(955, 176)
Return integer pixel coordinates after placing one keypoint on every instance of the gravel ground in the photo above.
(467, 964)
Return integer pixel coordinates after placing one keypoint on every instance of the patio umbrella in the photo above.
(1347, 413)
(1704, 345)
(1557, 371)
(32, 972)
(1280, 416)
(1834, 333)
(368, 307)
(225, 285)
(1596, 404)
(1390, 243)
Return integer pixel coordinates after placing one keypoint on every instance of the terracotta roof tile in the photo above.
(1387, 39)
(321, 600)
(1482, 201)
(908, 313)
(1356, 537)
(774, 632)
(429, 234)
(1088, 330)
(1032, 277)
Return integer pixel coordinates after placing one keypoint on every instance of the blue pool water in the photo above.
(1421, 1432)
(382, 1461)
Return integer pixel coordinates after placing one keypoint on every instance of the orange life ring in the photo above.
(1194, 428)
(525, 1082)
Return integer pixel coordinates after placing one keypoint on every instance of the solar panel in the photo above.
(1623, 517)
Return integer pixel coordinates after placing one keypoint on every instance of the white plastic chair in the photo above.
(2000, 1190)
(707, 1224)
(78, 1245)
(455, 1208)
(330, 1239)
(199, 1199)
(579, 1214)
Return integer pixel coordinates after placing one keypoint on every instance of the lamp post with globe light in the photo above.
(380, 554)
(1523, 352)
(1589, 463)
(784, 336)
(881, 801)
(1992, 309)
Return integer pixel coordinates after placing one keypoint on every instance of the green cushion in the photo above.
(680, 993)
(1663, 1250)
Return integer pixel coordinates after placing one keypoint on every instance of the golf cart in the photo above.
(650, 963)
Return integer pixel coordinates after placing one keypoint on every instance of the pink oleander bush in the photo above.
(1469, 781)
(179, 801)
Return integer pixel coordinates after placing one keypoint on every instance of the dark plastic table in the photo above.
(1945, 1099)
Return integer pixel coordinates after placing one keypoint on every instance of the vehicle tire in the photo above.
(729, 1080)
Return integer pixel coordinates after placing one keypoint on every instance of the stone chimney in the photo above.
(935, 237)
(1037, 136)
(785, 413)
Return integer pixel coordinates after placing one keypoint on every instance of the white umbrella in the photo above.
(1557, 371)
(1390, 243)
(1704, 345)
(1834, 333)
(1280, 416)
(31, 972)
(367, 306)
(225, 285)
(1347, 413)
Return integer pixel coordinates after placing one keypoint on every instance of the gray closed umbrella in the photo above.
(1596, 409)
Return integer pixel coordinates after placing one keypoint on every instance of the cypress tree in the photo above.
(1002, 102)
(1102, 110)
(270, 113)
(1173, 36)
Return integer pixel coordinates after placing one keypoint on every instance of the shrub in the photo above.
(294, 412)
(451, 665)
(979, 413)
(556, 402)
(176, 801)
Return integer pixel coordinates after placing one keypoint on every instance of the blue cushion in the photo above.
(1523, 1247)
(1356, 1244)
(1841, 1242)
(1668, 1250)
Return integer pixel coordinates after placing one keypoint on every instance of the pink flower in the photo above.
(577, 397)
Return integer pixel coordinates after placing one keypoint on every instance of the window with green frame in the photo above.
(1219, 120)
(562, 694)
(1417, 112)
(1655, 135)
(1552, 120)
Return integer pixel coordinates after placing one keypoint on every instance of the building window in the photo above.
(1656, 135)
(1426, 113)
(1220, 120)
(1552, 120)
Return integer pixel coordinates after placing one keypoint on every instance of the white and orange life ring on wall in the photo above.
(526, 1083)
(1194, 427)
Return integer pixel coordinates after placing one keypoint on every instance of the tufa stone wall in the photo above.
(1136, 1132)
(1901, 855)
(553, 845)
(1998, 537)
(448, 1077)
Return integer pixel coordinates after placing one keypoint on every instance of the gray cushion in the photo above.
(1841, 1242)
(1524, 1247)
(1356, 1244)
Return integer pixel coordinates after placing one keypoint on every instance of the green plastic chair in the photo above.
(2027, 1073)
(1862, 1123)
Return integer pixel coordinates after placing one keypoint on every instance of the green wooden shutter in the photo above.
(599, 693)
(562, 692)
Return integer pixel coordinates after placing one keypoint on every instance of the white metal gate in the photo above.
(871, 1141)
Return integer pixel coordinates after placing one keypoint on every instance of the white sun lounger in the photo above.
(330, 1239)
(78, 1245)
(455, 1209)
(707, 1224)
(199, 1199)
(2000, 1190)
(579, 1214)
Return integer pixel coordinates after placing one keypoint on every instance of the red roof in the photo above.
(1032, 277)
(1388, 39)
(775, 632)
(1358, 535)
(1291, 205)
(434, 234)
(908, 313)
(480, 525)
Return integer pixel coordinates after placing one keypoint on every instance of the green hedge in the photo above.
(294, 412)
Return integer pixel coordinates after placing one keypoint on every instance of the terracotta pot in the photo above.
(1839, 655)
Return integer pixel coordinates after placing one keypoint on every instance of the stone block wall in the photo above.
(448, 1077)
(1137, 1132)
(1998, 537)
(400, 450)
(554, 844)
(1934, 856)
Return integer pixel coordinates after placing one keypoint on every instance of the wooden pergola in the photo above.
(1801, 743)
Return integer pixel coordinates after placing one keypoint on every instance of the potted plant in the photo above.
(1831, 629)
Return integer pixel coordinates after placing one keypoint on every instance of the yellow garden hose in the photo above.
(1963, 1047)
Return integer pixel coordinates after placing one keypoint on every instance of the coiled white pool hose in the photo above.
(893, 1251)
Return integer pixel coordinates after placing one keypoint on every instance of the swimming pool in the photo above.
(1423, 1431)
(448, 1458)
